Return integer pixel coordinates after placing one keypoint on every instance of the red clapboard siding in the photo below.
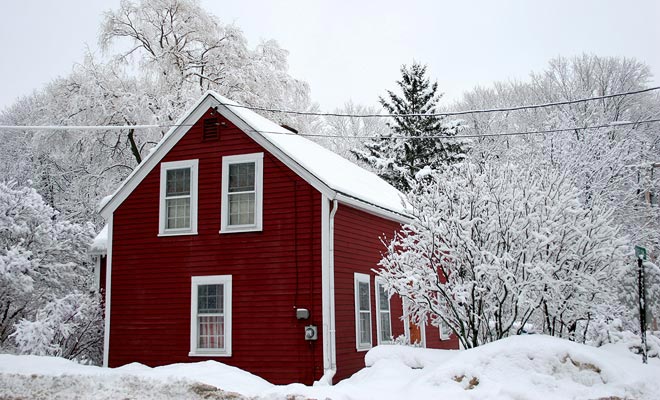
(273, 271)
(358, 248)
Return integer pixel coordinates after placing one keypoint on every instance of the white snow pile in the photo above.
(520, 368)
(100, 242)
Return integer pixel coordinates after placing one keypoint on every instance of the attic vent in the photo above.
(210, 129)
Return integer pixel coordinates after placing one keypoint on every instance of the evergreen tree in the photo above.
(410, 146)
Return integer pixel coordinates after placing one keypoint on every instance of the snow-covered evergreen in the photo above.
(409, 146)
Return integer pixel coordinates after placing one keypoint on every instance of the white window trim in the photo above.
(257, 158)
(381, 282)
(362, 278)
(162, 220)
(227, 298)
(444, 334)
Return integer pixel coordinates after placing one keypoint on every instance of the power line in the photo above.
(444, 114)
(559, 130)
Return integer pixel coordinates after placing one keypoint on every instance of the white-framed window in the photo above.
(178, 198)
(242, 193)
(210, 316)
(383, 315)
(445, 331)
(362, 312)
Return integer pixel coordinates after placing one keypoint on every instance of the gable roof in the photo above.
(325, 170)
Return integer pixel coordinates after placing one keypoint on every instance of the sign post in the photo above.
(640, 253)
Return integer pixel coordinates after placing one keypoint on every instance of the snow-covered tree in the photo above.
(410, 145)
(176, 51)
(499, 249)
(69, 327)
(346, 134)
(614, 165)
(43, 259)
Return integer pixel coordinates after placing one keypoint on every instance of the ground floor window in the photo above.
(210, 319)
(362, 312)
(384, 318)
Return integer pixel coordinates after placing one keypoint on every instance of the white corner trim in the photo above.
(97, 273)
(108, 291)
(226, 281)
(357, 279)
(258, 160)
(194, 184)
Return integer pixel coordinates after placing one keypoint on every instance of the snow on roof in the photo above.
(100, 243)
(336, 172)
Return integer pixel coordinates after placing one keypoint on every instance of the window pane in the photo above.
(241, 209)
(385, 327)
(241, 177)
(211, 332)
(383, 298)
(365, 328)
(178, 213)
(363, 294)
(178, 182)
(210, 299)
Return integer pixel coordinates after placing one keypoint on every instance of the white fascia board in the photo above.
(372, 209)
(171, 138)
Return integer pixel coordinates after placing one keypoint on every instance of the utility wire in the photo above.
(443, 114)
(559, 130)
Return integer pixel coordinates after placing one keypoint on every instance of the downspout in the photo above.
(328, 290)
(331, 265)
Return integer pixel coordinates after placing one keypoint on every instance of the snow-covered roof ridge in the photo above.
(338, 173)
(324, 169)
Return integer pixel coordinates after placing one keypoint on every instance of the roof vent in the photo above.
(210, 129)
(287, 127)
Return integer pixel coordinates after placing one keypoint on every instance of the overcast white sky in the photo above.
(353, 49)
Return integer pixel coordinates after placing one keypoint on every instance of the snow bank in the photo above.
(169, 381)
(520, 368)
(412, 357)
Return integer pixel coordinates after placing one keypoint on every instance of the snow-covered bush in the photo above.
(42, 259)
(494, 248)
(70, 327)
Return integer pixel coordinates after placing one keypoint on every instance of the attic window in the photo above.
(210, 129)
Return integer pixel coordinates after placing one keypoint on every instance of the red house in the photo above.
(239, 241)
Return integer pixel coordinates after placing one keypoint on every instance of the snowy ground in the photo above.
(523, 367)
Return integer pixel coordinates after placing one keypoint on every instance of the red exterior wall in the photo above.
(358, 248)
(273, 271)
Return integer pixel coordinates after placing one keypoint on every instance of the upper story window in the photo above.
(242, 193)
(362, 312)
(383, 318)
(178, 198)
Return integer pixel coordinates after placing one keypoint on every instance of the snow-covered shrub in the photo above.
(70, 327)
(42, 259)
(494, 248)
